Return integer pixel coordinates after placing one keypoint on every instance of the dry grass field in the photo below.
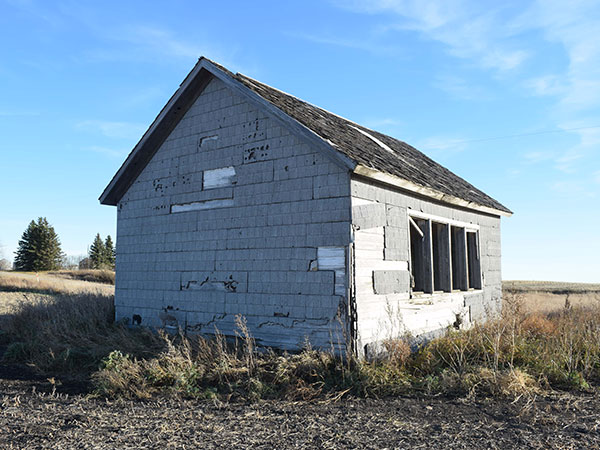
(71, 377)
(548, 296)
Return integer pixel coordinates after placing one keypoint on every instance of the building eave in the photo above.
(406, 185)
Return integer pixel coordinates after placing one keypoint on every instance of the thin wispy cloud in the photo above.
(479, 35)
(154, 44)
(135, 40)
(569, 188)
(442, 143)
(385, 124)
(572, 25)
(38, 11)
(567, 160)
(536, 157)
(368, 45)
(117, 130)
(546, 85)
(160, 41)
(144, 43)
(460, 88)
(490, 39)
(577, 156)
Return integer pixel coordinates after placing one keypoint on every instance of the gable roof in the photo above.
(357, 148)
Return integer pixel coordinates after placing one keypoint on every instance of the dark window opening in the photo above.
(473, 261)
(417, 258)
(441, 257)
(420, 255)
(459, 260)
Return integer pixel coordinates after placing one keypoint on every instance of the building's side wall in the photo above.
(385, 306)
(265, 238)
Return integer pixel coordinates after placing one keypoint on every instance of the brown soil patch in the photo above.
(35, 413)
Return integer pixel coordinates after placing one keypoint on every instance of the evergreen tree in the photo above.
(97, 253)
(110, 252)
(39, 248)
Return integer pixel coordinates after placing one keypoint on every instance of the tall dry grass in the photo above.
(518, 286)
(58, 325)
(47, 282)
(94, 275)
(518, 353)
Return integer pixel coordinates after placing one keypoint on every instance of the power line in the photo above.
(508, 136)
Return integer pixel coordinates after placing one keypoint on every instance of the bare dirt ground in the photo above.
(36, 413)
(39, 413)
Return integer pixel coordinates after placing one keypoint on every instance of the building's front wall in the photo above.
(386, 306)
(266, 237)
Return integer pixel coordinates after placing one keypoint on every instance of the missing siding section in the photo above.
(256, 152)
(214, 281)
(197, 206)
(218, 178)
(204, 140)
(334, 258)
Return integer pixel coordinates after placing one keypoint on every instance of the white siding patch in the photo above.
(356, 201)
(218, 178)
(196, 206)
(334, 258)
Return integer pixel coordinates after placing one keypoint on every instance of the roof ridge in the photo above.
(314, 106)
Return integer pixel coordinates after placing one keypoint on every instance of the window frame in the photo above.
(444, 268)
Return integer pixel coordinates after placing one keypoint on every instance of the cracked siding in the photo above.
(226, 219)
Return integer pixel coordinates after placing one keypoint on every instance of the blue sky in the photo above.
(505, 94)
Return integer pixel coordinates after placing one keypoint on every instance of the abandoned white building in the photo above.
(242, 199)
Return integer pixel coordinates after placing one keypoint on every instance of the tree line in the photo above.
(39, 249)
